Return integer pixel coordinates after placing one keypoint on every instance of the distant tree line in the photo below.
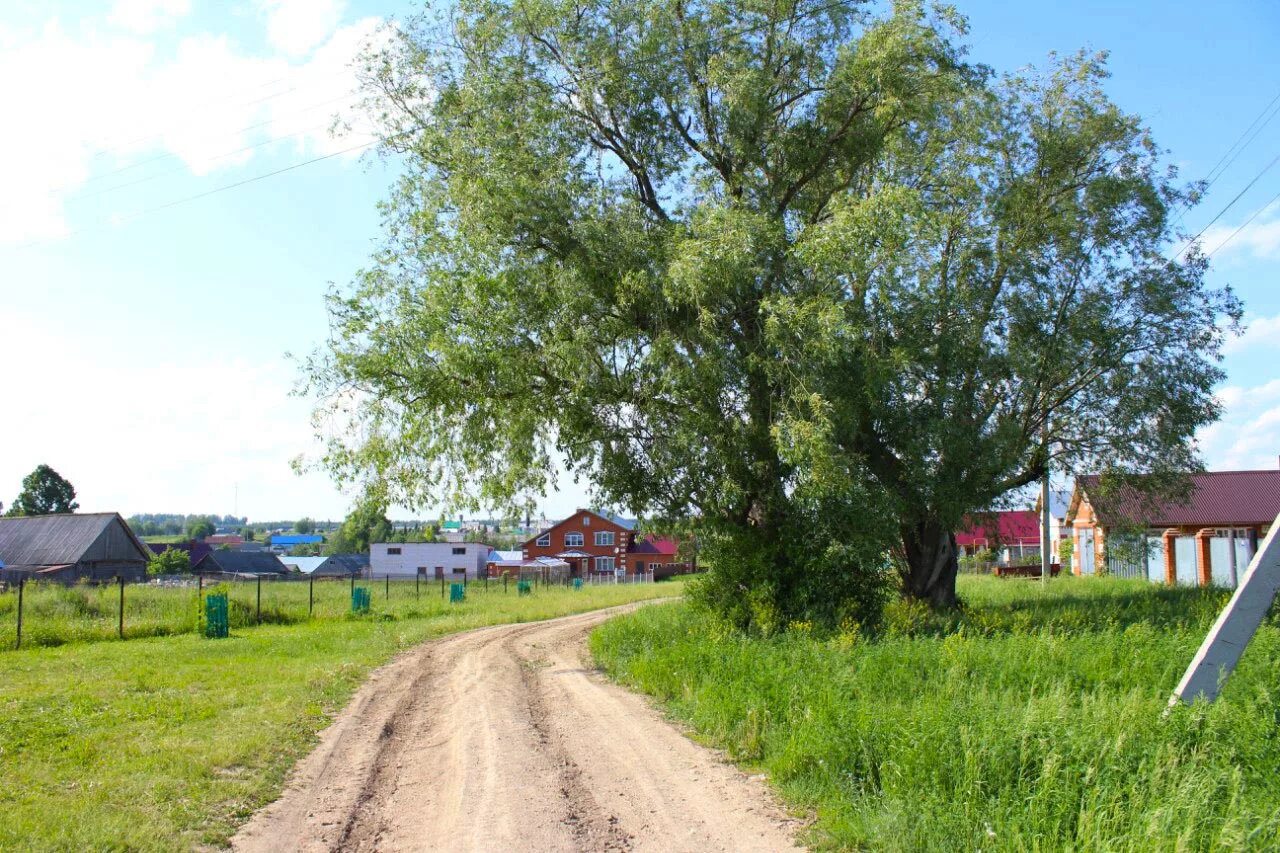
(176, 524)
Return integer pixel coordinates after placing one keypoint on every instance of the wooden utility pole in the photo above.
(1235, 626)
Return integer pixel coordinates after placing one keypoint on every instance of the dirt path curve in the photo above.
(505, 739)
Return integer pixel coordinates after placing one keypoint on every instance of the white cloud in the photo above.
(296, 26)
(153, 444)
(1259, 332)
(94, 101)
(1248, 435)
(147, 16)
(1260, 238)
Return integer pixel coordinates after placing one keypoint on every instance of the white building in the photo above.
(429, 559)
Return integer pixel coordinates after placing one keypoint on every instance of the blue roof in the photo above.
(297, 539)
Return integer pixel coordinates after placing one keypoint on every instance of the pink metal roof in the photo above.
(655, 545)
(1219, 499)
(1011, 528)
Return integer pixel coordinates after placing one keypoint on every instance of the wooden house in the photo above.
(70, 548)
(228, 562)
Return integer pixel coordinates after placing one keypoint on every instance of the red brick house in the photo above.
(589, 542)
(1208, 540)
(592, 543)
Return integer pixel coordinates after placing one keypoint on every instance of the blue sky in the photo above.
(146, 347)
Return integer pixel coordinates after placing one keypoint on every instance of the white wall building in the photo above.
(429, 559)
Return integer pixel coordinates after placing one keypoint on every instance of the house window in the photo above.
(640, 565)
(604, 564)
(393, 551)
(573, 540)
(544, 541)
(604, 537)
(586, 521)
(460, 550)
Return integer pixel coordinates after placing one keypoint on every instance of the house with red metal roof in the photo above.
(1011, 534)
(1207, 540)
(593, 543)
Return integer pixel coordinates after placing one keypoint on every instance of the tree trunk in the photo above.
(932, 563)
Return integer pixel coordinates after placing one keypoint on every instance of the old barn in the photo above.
(70, 548)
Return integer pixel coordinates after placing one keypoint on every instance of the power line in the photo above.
(183, 168)
(1224, 163)
(1227, 207)
(1244, 224)
(709, 43)
(227, 187)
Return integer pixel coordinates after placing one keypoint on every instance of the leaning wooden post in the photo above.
(1235, 626)
(22, 582)
(121, 579)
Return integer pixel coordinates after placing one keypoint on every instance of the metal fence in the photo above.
(50, 613)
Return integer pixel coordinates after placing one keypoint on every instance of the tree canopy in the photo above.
(44, 492)
(795, 275)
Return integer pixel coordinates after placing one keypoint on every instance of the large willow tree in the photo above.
(786, 272)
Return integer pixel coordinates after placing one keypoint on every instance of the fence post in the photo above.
(417, 585)
(259, 599)
(442, 585)
(311, 596)
(121, 579)
(22, 582)
(353, 584)
(388, 586)
(504, 582)
(199, 604)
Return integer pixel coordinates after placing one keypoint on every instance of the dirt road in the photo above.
(505, 739)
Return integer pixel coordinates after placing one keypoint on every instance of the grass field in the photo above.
(168, 743)
(1030, 722)
(54, 614)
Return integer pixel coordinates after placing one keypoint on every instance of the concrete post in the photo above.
(1170, 557)
(1235, 626)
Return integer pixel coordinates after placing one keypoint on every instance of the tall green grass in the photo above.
(169, 743)
(1031, 721)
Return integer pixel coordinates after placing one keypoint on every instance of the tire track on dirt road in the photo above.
(506, 738)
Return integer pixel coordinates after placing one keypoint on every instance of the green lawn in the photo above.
(1031, 722)
(171, 742)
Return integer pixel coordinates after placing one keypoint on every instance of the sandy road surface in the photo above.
(504, 739)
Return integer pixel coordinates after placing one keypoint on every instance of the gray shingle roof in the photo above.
(241, 562)
(46, 540)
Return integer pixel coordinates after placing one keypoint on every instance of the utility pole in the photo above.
(1046, 547)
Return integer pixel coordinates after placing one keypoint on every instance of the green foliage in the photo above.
(737, 263)
(367, 523)
(1031, 719)
(171, 561)
(1066, 548)
(44, 491)
(200, 528)
(304, 526)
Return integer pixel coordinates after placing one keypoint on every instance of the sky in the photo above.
(174, 207)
